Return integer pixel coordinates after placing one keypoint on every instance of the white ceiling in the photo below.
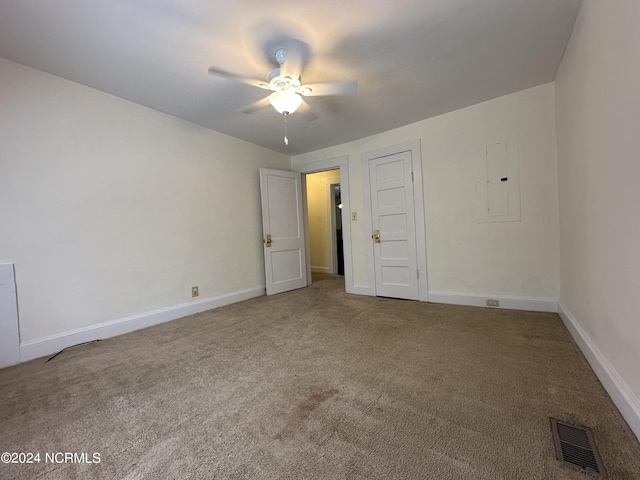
(413, 59)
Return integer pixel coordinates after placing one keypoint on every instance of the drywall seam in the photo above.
(619, 391)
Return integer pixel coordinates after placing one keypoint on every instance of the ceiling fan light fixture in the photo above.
(285, 102)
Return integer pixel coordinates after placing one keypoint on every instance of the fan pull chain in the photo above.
(286, 140)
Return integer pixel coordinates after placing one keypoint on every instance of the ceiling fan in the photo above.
(286, 84)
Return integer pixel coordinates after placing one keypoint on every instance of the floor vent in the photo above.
(575, 446)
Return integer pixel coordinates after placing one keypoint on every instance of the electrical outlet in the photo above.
(354, 215)
(195, 291)
(493, 303)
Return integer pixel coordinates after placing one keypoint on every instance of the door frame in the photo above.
(341, 163)
(418, 202)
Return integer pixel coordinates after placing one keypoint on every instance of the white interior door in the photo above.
(394, 226)
(283, 230)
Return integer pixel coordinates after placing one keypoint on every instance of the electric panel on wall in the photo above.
(498, 182)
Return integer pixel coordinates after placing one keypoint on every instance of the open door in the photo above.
(283, 230)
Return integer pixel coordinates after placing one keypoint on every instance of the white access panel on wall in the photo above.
(498, 182)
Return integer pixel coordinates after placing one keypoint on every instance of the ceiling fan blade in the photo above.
(232, 76)
(254, 107)
(304, 110)
(292, 63)
(329, 88)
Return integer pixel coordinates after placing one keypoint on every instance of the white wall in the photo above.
(319, 214)
(598, 122)
(463, 256)
(110, 209)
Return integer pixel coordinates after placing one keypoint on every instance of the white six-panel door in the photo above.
(394, 226)
(283, 230)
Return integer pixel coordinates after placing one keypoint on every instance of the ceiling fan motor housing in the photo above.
(279, 83)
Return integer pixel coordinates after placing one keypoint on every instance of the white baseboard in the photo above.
(626, 401)
(533, 304)
(49, 345)
(321, 269)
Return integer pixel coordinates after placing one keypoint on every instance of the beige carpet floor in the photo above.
(316, 384)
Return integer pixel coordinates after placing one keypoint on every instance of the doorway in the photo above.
(342, 164)
(324, 214)
(336, 229)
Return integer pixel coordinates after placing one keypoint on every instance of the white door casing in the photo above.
(393, 204)
(282, 223)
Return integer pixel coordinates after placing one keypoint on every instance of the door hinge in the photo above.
(412, 176)
(418, 272)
